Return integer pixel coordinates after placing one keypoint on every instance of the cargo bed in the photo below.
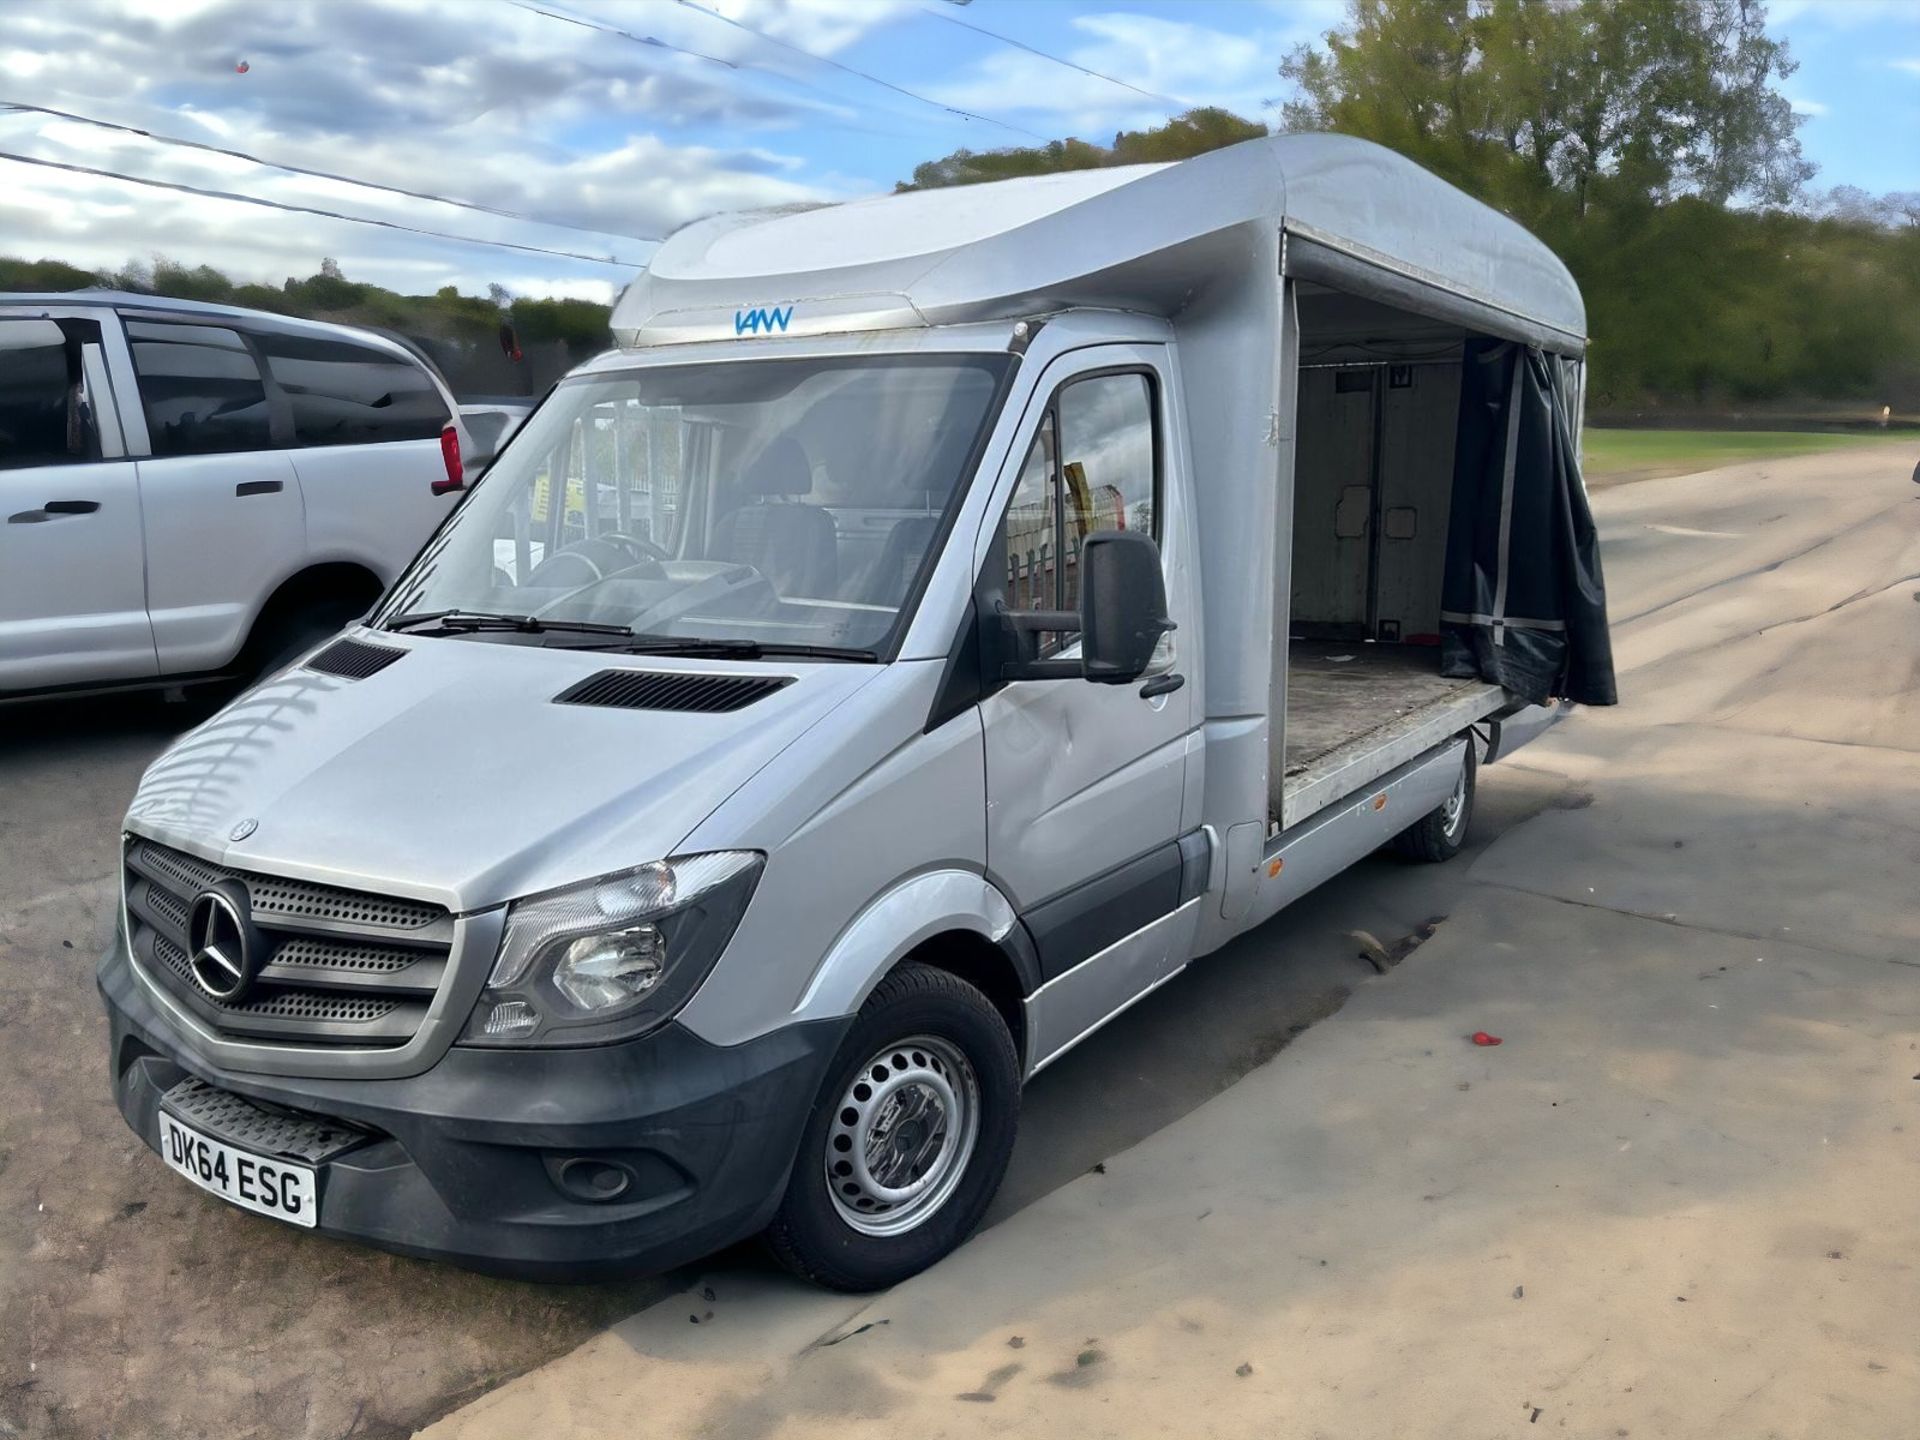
(1356, 710)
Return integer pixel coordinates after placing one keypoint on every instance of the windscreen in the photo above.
(783, 502)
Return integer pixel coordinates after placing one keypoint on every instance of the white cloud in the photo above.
(1912, 67)
(1809, 108)
(824, 27)
(498, 106)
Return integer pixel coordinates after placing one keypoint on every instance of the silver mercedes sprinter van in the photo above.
(940, 621)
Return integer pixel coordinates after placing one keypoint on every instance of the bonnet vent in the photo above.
(354, 659)
(647, 690)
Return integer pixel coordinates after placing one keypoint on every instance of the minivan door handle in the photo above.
(53, 509)
(1162, 685)
(259, 487)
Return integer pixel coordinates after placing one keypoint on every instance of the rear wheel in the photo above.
(908, 1138)
(1440, 833)
(290, 635)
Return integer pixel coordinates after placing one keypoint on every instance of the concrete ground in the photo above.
(1679, 1199)
(122, 1289)
(1766, 622)
(132, 1304)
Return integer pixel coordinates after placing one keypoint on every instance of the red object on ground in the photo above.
(1480, 1037)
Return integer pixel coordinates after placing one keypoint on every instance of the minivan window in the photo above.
(780, 502)
(44, 419)
(200, 387)
(341, 393)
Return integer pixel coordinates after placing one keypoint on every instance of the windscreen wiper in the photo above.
(731, 649)
(471, 620)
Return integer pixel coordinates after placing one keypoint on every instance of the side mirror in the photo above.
(1123, 605)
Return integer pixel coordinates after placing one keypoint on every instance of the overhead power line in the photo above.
(608, 260)
(607, 27)
(862, 74)
(1178, 104)
(187, 144)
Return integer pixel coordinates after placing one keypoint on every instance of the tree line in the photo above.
(492, 344)
(1648, 142)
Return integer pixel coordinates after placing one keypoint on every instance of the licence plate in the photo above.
(254, 1182)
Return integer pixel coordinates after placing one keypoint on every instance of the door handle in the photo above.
(1162, 685)
(53, 510)
(259, 487)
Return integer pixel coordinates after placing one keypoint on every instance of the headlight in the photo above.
(613, 957)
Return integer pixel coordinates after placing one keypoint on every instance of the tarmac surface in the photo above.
(1678, 1199)
(1701, 1181)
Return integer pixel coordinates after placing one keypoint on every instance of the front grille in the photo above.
(187, 875)
(342, 967)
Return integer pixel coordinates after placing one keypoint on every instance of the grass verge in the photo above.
(1615, 456)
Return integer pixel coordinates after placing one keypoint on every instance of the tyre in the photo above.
(907, 1140)
(290, 636)
(1439, 834)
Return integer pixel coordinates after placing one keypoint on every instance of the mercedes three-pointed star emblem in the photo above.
(222, 945)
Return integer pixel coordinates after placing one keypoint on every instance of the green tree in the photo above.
(44, 275)
(1667, 97)
(202, 282)
(1193, 133)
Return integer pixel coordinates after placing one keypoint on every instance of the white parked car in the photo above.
(192, 491)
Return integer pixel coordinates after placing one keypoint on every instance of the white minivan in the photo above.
(190, 491)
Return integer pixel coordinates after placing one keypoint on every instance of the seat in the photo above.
(900, 559)
(793, 544)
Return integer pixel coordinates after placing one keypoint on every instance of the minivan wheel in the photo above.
(1439, 834)
(292, 635)
(908, 1138)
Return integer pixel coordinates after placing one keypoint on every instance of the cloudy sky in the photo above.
(613, 121)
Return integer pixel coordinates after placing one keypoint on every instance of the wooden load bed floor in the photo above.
(1357, 710)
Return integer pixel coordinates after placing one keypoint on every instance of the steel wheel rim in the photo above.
(901, 1135)
(1453, 811)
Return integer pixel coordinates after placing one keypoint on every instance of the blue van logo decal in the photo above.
(753, 322)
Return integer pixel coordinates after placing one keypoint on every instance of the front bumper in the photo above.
(463, 1162)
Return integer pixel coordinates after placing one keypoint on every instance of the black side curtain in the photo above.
(1523, 604)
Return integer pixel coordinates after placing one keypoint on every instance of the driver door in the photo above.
(1085, 781)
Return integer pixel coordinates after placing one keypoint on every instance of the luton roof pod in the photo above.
(1348, 213)
(1245, 252)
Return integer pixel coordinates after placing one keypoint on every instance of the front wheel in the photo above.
(908, 1138)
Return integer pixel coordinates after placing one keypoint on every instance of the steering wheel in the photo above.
(596, 558)
(636, 547)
